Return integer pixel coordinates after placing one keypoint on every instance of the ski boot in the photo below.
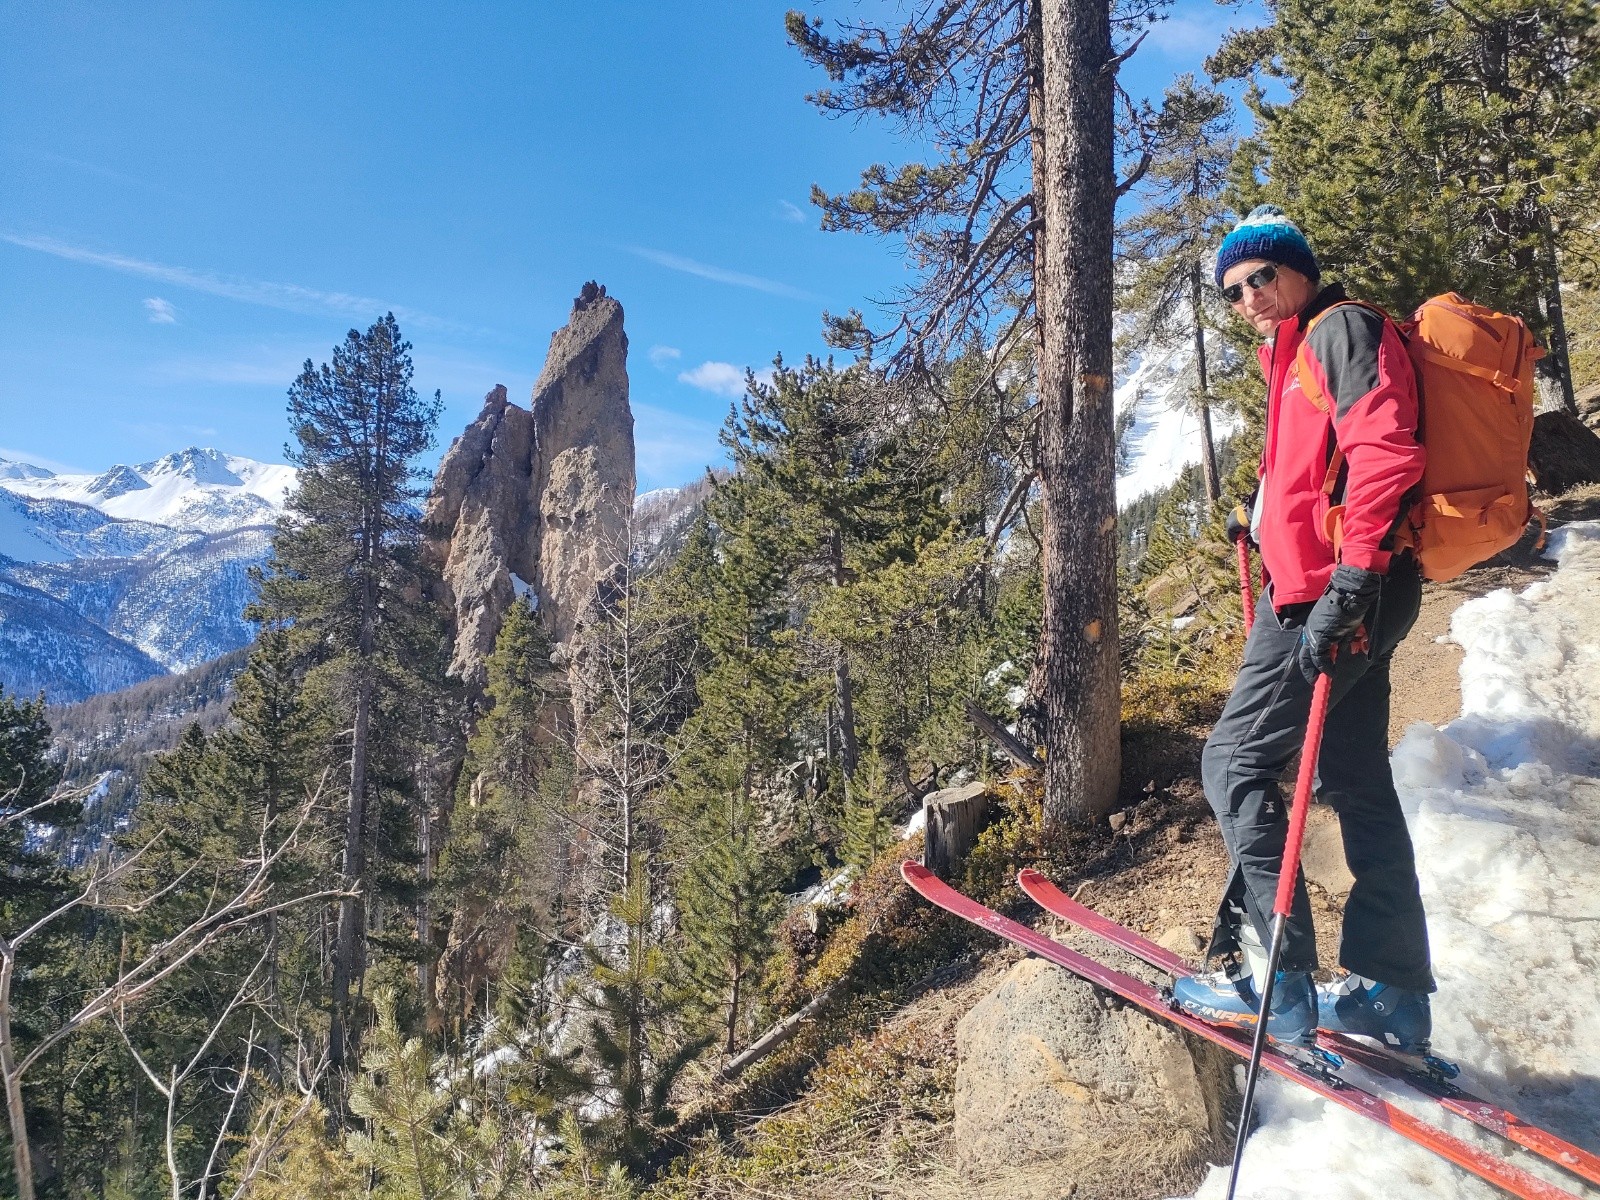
(1401, 1020)
(1229, 997)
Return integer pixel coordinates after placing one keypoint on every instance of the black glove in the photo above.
(1239, 520)
(1335, 618)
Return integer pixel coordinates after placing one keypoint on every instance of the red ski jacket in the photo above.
(1361, 365)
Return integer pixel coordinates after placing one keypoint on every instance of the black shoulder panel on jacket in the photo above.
(1345, 343)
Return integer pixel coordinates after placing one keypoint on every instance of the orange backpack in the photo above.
(1475, 386)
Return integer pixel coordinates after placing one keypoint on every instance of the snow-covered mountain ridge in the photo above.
(193, 488)
(139, 570)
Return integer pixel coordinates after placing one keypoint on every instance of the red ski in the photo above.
(1480, 1112)
(1481, 1163)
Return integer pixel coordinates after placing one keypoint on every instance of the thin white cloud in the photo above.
(718, 378)
(791, 212)
(663, 356)
(677, 262)
(161, 311)
(289, 297)
(460, 376)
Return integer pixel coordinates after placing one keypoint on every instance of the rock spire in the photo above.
(538, 498)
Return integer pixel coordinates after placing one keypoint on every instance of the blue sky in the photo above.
(196, 197)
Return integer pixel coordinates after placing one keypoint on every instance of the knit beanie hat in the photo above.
(1266, 233)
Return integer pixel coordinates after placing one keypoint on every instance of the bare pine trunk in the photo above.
(1033, 47)
(1560, 358)
(844, 691)
(1076, 677)
(424, 905)
(1208, 453)
(347, 943)
(16, 1114)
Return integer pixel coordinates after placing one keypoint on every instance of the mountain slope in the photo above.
(105, 743)
(181, 606)
(46, 646)
(1158, 434)
(132, 572)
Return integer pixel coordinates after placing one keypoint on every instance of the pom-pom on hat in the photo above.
(1267, 234)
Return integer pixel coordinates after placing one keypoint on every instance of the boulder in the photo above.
(1050, 1069)
(1565, 453)
(1588, 403)
(537, 498)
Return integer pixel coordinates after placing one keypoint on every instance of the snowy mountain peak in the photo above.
(194, 488)
(118, 481)
(22, 470)
(196, 464)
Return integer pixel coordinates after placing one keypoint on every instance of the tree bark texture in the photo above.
(347, 945)
(16, 1112)
(1076, 684)
(954, 818)
(844, 692)
(1555, 313)
(1208, 452)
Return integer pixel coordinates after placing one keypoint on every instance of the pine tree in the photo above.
(633, 669)
(727, 898)
(725, 807)
(853, 494)
(1433, 148)
(32, 883)
(1166, 246)
(266, 755)
(1010, 232)
(916, 631)
(868, 825)
(406, 1149)
(345, 573)
(504, 867)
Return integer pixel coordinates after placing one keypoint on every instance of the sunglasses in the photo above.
(1255, 281)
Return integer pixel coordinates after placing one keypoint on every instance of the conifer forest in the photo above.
(615, 912)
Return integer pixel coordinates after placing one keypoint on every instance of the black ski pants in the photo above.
(1260, 731)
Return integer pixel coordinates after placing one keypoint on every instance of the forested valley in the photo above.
(616, 913)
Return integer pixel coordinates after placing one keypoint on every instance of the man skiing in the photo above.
(1338, 602)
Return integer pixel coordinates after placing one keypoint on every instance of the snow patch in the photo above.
(1162, 435)
(830, 893)
(1503, 804)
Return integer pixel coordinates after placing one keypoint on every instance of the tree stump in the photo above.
(1565, 453)
(955, 816)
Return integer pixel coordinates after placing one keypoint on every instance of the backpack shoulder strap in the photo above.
(1337, 305)
(1308, 383)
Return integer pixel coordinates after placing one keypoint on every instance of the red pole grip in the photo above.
(1247, 592)
(1302, 795)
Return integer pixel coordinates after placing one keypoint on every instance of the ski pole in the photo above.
(1247, 591)
(1288, 871)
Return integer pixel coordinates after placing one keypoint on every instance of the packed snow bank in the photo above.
(1504, 806)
